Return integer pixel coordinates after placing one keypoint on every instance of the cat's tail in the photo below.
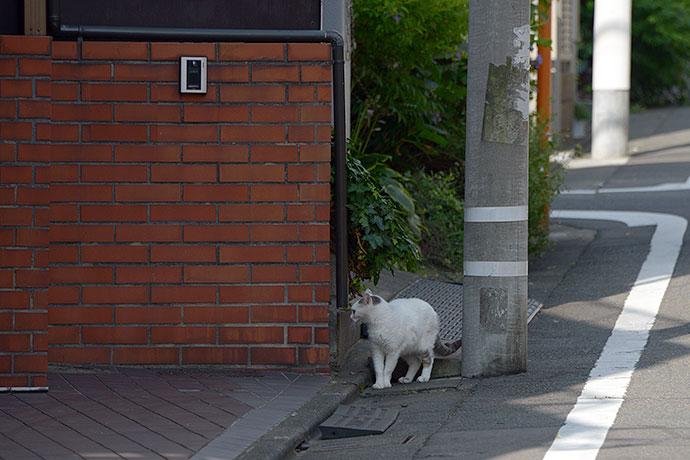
(445, 349)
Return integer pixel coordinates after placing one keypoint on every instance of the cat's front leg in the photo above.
(378, 357)
(389, 367)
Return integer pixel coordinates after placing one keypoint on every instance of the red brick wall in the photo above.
(24, 198)
(184, 229)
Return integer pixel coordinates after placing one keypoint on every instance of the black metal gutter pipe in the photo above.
(59, 30)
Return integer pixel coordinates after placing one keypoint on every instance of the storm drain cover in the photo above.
(348, 421)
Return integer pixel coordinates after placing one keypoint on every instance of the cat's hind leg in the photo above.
(413, 364)
(378, 357)
(427, 364)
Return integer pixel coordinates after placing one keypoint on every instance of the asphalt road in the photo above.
(596, 269)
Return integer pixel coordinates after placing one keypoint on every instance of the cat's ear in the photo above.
(368, 291)
(367, 298)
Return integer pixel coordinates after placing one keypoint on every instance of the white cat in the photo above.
(403, 328)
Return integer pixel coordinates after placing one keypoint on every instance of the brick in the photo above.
(35, 67)
(321, 335)
(32, 237)
(117, 92)
(8, 67)
(316, 73)
(171, 93)
(266, 193)
(151, 314)
(182, 213)
(114, 335)
(323, 173)
(218, 274)
(300, 173)
(314, 355)
(274, 274)
(315, 113)
(63, 295)
(251, 213)
(314, 232)
(183, 254)
(61, 132)
(130, 51)
(65, 50)
(15, 342)
(252, 173)
(31, 321)
(81, 72)
(273, 232)
(216, 233)
(253, 93)
(147, 153)
(148, 274)
(81, 233)
(300, 213)
(315, 192)
(215, 193)
(16, 88)
(61, 335)
(183, 173)
(119, 253)
(251, 52)
(314, 274)
(147, 193)
(274, 153)
(323, 133)
(272, 355)
(322, 293)
(15, 299)
(214, 153)
(252, 133)
(251, 335)
(146, 72)
(147, 113)
(43, 88)
(65, 91)
(16, 216)
(152, 233)
(313, 314)
(300, 293)
(15, 381)
(8, 109)
(114, 133)
(16, 130)
(183, 294)
(31, 363)
(34, 152)
(299, 334)
(31, 278)
(168, 51)
(324, 93)
(20, 44)
(315, 153)
(309, 52)
(146, 355)
(5, 367)
(34, 109)
(252, 294)
(275, 73)
(305, 93)
(114, 173)
(114, 213)
(88, 193)
(254, 253)
(115, 295)
(216, 314)
(64, 254)
(7, 197)
(16, 175)
(215, 355)
(81, 153)
(274, 114)
(183, 334)
(6, 281)
(42, 177)
(79, 355)
(184, 133)
(300, 133)
(81, 275)
(300, 254)
(228, 73)
(216, 114)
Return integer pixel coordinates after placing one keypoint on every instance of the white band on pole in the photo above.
(496, 214)
(494, 268)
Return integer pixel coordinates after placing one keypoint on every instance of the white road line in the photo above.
(665, 187)
(588, 423)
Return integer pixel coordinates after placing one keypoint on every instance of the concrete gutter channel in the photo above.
(356, 373)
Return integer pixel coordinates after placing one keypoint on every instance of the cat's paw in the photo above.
(380, 385)
(404, 380)
(421, 378)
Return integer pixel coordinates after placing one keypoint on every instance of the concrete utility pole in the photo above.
(611, 78)
(496, 181)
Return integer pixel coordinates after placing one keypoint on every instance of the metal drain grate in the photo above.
(447, 298)
(348, 421)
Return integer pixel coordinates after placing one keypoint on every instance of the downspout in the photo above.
(59, 30)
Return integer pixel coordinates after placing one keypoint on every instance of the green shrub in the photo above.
(439, 198)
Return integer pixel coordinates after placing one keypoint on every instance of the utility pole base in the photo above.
(610, 114)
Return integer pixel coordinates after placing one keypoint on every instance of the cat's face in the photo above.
(362, 308)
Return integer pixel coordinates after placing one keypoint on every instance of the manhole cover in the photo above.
(348, 421)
